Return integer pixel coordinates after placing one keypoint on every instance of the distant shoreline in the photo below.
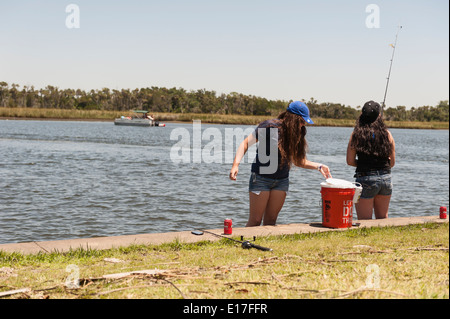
(109, 116)
(52, 119)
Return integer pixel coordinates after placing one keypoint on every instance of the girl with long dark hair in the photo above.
(282, 143)
(371, 150)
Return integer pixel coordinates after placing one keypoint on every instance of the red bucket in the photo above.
(337, 207)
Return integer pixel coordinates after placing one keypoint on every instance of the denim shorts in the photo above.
(260, 184)
(375, 184)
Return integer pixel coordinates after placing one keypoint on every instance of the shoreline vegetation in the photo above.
(25, 113)
(178, 104)
(392, 262)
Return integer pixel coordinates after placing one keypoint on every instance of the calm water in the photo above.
(61, 180)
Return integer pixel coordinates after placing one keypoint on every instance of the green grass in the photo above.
(389, 262)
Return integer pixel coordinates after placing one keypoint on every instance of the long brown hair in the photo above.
(292, 142)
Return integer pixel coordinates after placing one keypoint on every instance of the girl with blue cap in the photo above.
(282, 143)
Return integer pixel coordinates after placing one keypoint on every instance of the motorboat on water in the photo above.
(139, 118)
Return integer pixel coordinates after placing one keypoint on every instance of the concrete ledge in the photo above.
(100, 243)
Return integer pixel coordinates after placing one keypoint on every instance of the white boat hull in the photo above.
(136, 122)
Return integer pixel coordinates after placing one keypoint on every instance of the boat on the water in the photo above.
(139, 118)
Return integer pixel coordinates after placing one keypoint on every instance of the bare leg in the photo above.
(274, 205)
(258, 205)
(381, 206)
(364, 208)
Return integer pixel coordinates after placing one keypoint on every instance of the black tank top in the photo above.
(280, 171)
(367, 163)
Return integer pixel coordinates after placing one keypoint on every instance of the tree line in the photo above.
(178, 100)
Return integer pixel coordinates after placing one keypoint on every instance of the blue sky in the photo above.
(283, 49)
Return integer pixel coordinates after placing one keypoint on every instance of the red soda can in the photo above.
(443, 212)
(227, 227)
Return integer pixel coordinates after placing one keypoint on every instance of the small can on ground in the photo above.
(228, 226)
(443, 212)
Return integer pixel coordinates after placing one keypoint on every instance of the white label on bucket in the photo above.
(347, 208)
(347, 211)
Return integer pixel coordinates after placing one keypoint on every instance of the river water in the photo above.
(68, 179)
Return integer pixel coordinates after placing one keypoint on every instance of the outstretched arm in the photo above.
(323, 169)
(249, 141)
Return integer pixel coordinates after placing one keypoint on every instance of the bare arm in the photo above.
(351, 154)
(323, 169)
(249, 141)
(392, 157)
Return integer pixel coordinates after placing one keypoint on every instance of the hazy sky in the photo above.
(334, 51)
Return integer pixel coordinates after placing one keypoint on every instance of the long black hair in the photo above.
(371, 139)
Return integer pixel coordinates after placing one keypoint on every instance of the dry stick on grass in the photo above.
(370, 289)
(182, 295)
(140, 287)
(149, 274)
(367, 252)
(14, 292)
(246, 282)
(299, 288)
(427, 248)
(372, 251)
(121, 289)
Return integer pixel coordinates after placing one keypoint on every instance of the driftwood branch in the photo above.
(362, 289)
(14, 292)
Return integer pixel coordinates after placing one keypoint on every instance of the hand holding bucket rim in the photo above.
(325, 171)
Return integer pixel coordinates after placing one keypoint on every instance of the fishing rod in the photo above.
(245, 244)
(390, 68)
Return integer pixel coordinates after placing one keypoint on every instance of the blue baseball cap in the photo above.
(301, 109)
